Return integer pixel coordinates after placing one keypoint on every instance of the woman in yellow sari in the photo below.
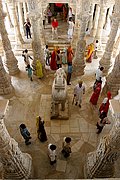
(39, 72)
(90, 53)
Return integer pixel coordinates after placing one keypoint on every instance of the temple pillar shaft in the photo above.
(8, 15)
(95, 22)
(106, 59)
(108, 21)
(5, 82)
(90, 24)
(101, 21)
(116, 46)
(79, 63)
(16, 165)
(21, 18)
(113, 79)
(100, 163)
(18, 37)
(25, 10)
(10, 59)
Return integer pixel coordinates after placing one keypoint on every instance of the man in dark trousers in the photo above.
(69, 73)
(27, 26)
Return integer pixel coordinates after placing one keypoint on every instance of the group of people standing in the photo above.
(104, 107)
(58, 57)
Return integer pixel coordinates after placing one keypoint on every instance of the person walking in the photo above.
(90, 50)
(30, 73)
(70, 28)
(25, 133)
(53, 64)
(66, 147)
(69, 73)
(40, 129)
(79, 90)
(99, 74)
(103, 120)
(27, 26)
(26, 56)
(46, 55)
(54, 28)
(49, 15)
(64, 56)
(52, 153)
(39, 72)
(104, 107)
(59, 59)
(96, 93)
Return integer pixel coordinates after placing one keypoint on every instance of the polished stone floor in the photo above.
(34, 98)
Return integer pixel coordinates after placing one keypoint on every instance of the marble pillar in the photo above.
(25, 11)
(108, 20)
(5, 82)
(21, 18)
(101, 22)
(113, 79)
(10, 59)
(16, 165)
(106, 59)
(100, 163)
(90, 24)
(116, 46)
(8, 15)
(78, 62)
(95, 22)
(18, 37)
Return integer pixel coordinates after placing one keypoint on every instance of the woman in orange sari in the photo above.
(90, 53)
(69, 54)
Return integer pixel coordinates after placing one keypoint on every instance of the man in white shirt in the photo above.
(79, 90)
(70, 28)
(52, 153)
(99, 74)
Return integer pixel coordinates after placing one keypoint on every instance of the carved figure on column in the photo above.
(10, 60)
(5, 82)
(113, 79)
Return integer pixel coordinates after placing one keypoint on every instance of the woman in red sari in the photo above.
(96, 93)
(105, 104)
(53, 64)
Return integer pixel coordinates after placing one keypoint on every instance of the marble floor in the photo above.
(31, 99)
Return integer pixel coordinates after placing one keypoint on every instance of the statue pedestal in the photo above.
(63, 115)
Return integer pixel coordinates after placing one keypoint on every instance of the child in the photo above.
(29, 69)
(52, 153)
(66, 147)
(25, 133)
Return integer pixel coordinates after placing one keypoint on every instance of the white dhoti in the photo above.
(70, 33)
(79, 91)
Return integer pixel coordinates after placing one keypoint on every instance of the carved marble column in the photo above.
(10, 59)
(106, 59)
(5, 82)
(108, 21)
(95, 22)
(35, 14)
(16, 165)
(90, 24)
(113, 79)
(100, 163)
(78, 62)
(101, 21)
(8, 15)
(18, 37)
(116, 46)
(21, 18)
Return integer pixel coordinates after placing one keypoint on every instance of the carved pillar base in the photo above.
(78, 62)
(106, 64)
